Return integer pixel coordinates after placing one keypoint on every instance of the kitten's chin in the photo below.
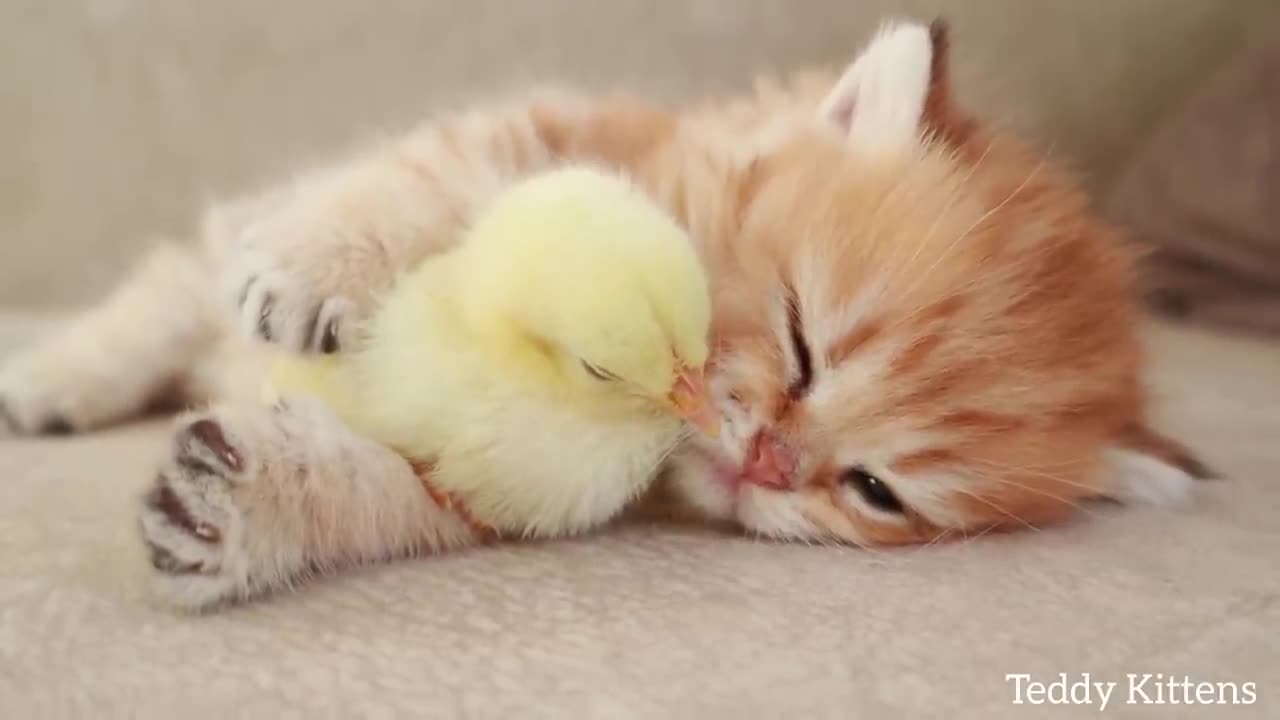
(706, 482)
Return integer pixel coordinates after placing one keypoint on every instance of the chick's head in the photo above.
(592, 287)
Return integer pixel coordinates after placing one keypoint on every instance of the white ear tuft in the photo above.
(880, 99)
(1139, 478)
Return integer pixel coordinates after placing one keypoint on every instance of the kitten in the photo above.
(921, 328)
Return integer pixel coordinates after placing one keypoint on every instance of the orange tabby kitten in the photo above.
(921, 329)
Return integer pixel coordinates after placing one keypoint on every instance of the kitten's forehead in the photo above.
(835, 219)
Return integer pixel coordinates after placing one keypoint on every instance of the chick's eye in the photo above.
(598, 372)
(873, 490)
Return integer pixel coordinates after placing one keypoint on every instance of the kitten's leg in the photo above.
(256, 498)
(111, 362)
(307, 260)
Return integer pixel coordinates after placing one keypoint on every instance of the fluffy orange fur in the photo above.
(922, 330)
(972, 324)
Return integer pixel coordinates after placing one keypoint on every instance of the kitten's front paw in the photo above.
(279, 303)
(301, 278)
(196, 522)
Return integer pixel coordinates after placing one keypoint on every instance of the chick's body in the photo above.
(528, 367)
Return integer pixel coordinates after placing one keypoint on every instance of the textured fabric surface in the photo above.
(119, 118)
(1205, 192)
(665, 621)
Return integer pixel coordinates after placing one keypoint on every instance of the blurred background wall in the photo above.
(120, 118)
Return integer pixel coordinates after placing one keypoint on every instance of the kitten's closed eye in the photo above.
(872, 489)
(799, 346)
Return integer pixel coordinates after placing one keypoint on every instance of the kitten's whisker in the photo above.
(985, 530)
(1058, 498)
(964, 235)
(951, 201)
(876, 222)
(936, 539)
(681, 438)
(999, 509)
(1039, 473)
(913, 554)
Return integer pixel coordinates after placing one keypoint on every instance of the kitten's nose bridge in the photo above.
(768, 463)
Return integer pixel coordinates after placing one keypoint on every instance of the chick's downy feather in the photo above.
(528, 367)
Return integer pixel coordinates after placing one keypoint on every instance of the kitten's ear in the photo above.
(1147, 467)
(879, 102)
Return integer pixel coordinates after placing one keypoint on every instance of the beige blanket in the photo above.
(660, 621)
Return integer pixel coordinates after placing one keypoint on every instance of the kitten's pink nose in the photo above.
(768, 464)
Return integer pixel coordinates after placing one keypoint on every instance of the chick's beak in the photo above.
(690, 402)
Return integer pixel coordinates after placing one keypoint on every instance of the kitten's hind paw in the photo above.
(195, 521)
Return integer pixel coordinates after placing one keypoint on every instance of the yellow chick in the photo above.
(545, 367)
